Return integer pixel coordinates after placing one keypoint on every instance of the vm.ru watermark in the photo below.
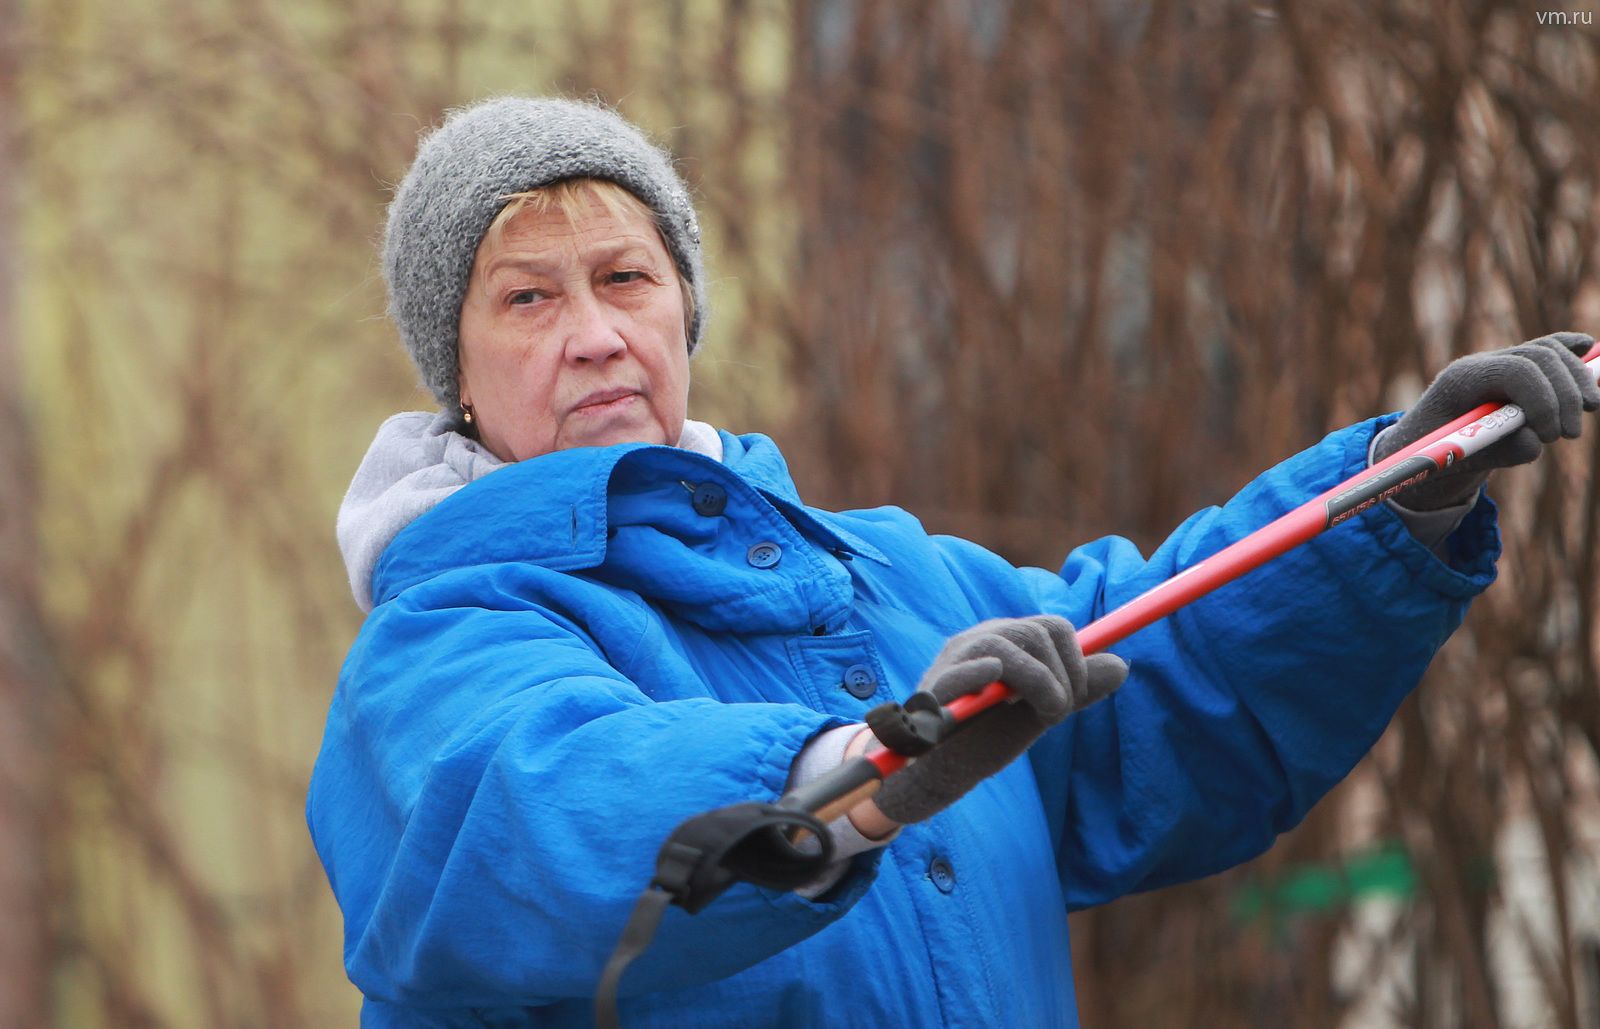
(1565, 17)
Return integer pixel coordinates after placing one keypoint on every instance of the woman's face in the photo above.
(572, 335)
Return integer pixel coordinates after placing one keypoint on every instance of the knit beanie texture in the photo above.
(458, 183)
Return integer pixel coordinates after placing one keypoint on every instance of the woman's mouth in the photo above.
(605, 401)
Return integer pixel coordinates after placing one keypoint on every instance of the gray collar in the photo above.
(417, 460)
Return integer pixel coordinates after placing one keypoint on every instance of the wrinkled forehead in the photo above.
(573, 219)
(595, 223)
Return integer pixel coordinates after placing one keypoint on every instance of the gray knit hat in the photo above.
(457, 184)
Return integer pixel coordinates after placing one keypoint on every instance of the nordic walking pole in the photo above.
(1483, 426)
(757, 842)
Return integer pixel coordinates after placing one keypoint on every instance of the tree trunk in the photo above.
(23, 699)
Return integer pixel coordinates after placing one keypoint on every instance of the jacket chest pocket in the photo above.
(841, 674)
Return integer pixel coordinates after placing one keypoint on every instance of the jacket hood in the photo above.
(417, 460)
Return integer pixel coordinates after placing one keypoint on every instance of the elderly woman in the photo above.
(591, 617)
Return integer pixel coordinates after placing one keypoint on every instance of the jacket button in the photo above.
(764, 554)
(861, 681)
(943, 876)
(709, 499)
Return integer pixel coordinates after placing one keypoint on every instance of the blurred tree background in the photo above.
(1036, 271)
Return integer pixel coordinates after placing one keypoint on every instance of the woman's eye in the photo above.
(622, 278)
(523, 296)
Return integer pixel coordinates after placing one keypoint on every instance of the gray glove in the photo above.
(1543, 377)
(1039, 658)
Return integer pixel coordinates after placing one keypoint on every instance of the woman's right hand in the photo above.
(1039, 658)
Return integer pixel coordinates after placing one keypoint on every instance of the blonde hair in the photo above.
(572, 198)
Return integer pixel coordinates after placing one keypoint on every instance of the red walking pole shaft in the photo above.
(1477, 429)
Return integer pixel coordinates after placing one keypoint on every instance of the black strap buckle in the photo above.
(911, 728)
(700, 860)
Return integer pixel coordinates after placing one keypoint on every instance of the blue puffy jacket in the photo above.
(566, 660)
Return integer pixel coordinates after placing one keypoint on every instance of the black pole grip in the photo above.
(829, 787)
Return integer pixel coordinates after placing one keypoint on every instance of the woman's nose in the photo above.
(592, 332)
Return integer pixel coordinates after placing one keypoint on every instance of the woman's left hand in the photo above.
(1544, 377)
